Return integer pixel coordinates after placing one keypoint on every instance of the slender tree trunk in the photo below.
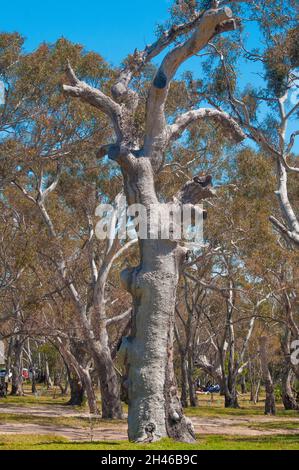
(184, 382)
(222, 387)
(64, 383)
(100, 351)
(33, 381)
(17, 379)
(254, 384)
(251, 391)
(256, 397)
(243, 385)
(192, 391)
(231, 397)
(48, 379)
(270, 408)
(91, 397)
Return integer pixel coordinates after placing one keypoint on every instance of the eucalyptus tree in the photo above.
(48, 155)
(139, 149)
(268, 110)
(236, 291)
(227, 323)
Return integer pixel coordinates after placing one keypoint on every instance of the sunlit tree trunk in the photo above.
(270, 407)
(155, 410)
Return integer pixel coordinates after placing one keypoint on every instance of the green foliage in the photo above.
(280, 60)
(10, 48)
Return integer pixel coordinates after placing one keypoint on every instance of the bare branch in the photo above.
(118, 318)
(23, 190)
(155, 115)
(141, 58)
(291, 235)
(94, 97)
(232, 128)
(44, 193)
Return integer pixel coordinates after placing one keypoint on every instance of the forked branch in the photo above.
(95, 98)
(224, 120)
(210, 24)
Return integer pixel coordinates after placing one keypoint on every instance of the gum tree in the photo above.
(139, 149)
(266, 111)
(47, 163)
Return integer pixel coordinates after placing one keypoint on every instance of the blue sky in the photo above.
(113, 28)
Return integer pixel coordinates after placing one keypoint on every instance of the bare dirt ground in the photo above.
(242, 426)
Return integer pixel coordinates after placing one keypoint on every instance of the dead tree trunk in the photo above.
(270, 408)
(155, 410)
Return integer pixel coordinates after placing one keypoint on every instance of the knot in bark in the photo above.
(150, 429)
(175, 416)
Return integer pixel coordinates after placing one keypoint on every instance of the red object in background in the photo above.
(25, 374)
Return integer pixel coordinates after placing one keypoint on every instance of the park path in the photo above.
(242, 426)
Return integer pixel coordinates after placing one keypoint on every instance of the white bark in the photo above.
(154, 408)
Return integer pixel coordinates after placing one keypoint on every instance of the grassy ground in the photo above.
(251, 417)
(215, 442)
(63, 421)
(278, 425)
(43, 399)
(246, 410)
(215, 408)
